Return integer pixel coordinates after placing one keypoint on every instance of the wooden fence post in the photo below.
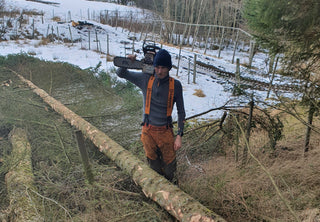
(133, 39)
(70, 34)
(179, 61)
(97, 40)
(84, 156)
(194, 68)
(221, 41)
(107, 16)
(33, 29)
(58, 35)
(252, 48)
(81, 46)
(249, 123)
(69, 16)
(108, 53)
(235, 46)
(117, 16)
(238, 74)
(89, 39)
(48, 30)
(207, 39)
(189, 66)
(52, 33)
(272, 77)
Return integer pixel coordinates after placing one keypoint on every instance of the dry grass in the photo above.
(44, 42)
(56, 19)
(246, 193)
(109, 58)
(199, 93)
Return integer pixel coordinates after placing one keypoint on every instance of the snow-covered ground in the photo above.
(215, 93)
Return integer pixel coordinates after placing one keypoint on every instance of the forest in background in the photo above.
(213, 12)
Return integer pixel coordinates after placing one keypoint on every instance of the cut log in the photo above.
(179, 204)
(20, 180)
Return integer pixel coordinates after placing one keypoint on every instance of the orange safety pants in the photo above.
(158, 144)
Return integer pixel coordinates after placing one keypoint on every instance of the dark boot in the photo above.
(169, 170)
(156, 165)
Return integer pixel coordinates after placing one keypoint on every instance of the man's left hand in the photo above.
(177, 143)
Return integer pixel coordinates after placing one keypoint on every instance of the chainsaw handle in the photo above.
(132, 57)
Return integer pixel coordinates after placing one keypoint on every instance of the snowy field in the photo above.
(216, 94)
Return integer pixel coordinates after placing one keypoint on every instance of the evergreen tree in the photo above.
(292, 28)
(285, 25)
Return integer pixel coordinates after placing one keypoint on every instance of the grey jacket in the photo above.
(159, 97)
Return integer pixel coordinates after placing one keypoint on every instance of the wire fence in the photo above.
(198, 38)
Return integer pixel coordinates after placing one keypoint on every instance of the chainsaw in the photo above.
(146, 64)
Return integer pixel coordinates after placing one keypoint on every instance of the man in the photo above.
(160, 92)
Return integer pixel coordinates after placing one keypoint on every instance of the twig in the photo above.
(62, 144)
(97, 116)
(47, 198)
(214, 133)
(129, 214)
(117, 190)
(16, 100)
(188, 161)
(202, 126)
(30, 121)
(223, 107)
(50, 89)
(31, 201)
(220, 127)
(223, 119)
(199, 168)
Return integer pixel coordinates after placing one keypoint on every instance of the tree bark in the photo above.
(201, 9)
(245, 149)
(191, 21)
(20, 180)
(179, 204)
(308, 131)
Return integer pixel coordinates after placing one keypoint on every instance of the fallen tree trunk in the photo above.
(179, 204)
(20, 180)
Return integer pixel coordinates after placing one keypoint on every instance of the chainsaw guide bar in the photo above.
(132, 64)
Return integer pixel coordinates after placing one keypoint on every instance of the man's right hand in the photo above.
(133, 57)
